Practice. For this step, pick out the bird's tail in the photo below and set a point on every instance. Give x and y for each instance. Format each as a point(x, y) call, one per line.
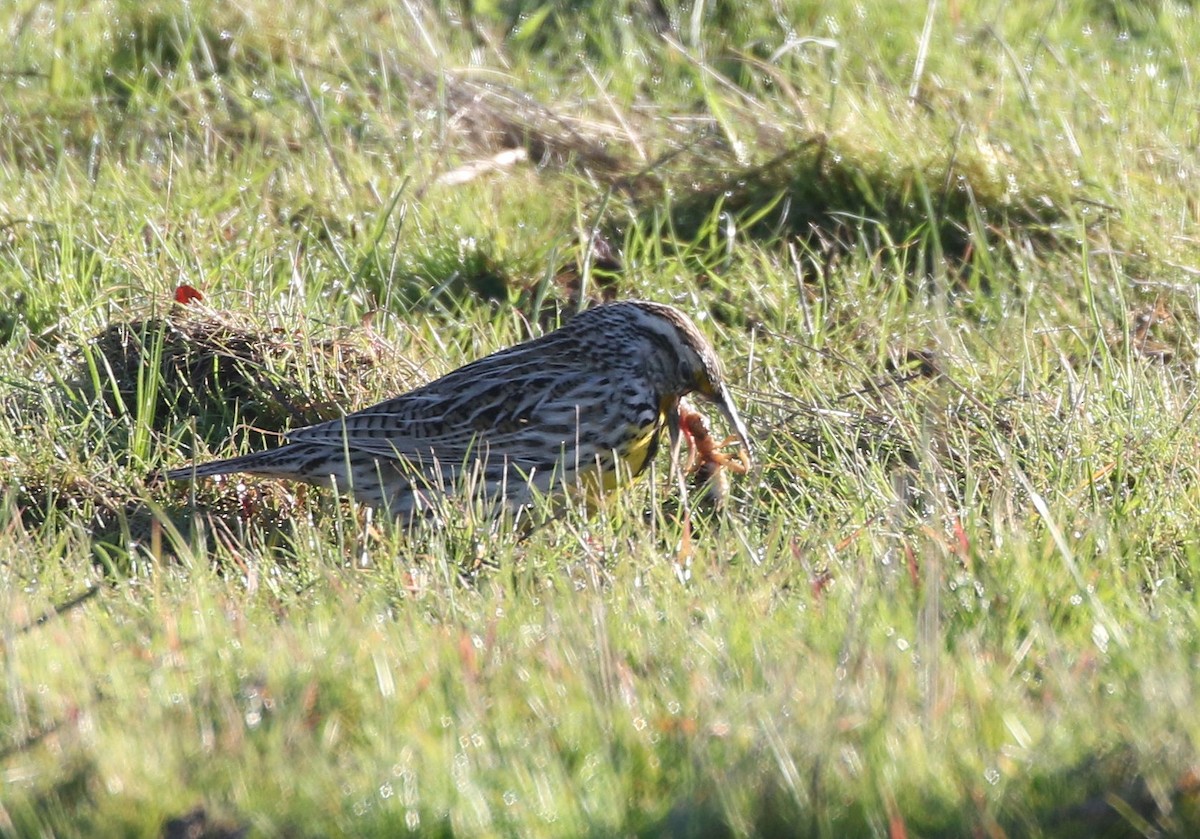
point(280, 462)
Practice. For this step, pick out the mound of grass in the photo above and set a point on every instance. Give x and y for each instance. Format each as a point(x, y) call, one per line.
point(220, 372)
point(935, 216)
point(153, 44)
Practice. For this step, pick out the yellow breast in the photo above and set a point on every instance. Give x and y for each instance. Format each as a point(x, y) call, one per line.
point(633, 459)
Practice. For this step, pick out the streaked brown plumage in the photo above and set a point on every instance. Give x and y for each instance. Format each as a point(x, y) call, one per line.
point(570, 411)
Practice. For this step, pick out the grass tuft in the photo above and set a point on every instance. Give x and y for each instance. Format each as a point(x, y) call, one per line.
point(223, 372)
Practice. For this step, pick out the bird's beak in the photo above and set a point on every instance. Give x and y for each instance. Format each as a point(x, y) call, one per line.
point(724, 403)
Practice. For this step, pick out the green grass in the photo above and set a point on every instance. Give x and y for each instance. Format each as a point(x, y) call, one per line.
point(951, 269)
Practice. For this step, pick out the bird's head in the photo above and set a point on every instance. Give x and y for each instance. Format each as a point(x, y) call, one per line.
point(689, 361)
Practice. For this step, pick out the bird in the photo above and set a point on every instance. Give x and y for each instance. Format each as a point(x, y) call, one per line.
point(569, 414)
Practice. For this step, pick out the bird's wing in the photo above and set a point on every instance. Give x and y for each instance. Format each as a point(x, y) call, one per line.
point(515, 414)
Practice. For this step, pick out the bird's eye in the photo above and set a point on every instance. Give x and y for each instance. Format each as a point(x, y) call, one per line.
point(687, 373)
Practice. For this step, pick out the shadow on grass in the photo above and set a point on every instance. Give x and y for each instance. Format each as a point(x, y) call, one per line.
point(154, 44)
point(839, 201)
point(1085, 802)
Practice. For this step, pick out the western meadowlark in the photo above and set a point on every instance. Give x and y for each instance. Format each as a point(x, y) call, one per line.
point(575, 409)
